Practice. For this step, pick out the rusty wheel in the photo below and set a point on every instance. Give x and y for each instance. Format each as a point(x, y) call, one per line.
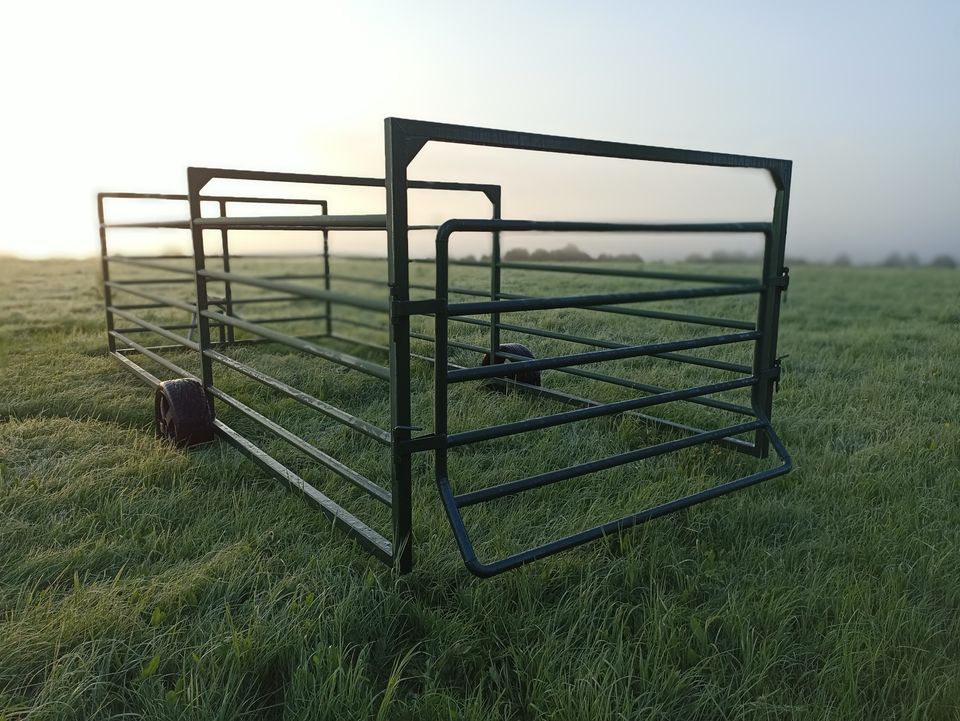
point(182, 414)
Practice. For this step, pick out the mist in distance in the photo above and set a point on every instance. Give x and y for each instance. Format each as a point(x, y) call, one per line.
point(862, 97)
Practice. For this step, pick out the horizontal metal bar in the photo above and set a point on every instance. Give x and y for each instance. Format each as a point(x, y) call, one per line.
point(338, 414)
point(421, 131)
point(679, 317)
point(162, 256)
point(451, 343)
point(274, 177)
point(286, 319)
point(573, 267)
point(164, 302)
point(586, 301)
point(649, 388)
point(458, 225)
point(383, 327)
point(491, 371)
point(369, 538)
point(431, 442)
point(154, 306)
point(617, 526)
point(260, 200)
point(619, 310)
point(178, 224)
point(159, 330)
point(359, 279)
point(148, 306)
point(582, 469)
point(377, 258)
point(324, 459)
point(303, 291)
point(292, 276)
point(580, 402)
point(272, 256)
point(143, 196)
point(177, 347)
point(152, 281)
point(376, 221)
point(622, 273)
point(364, 343)
point(153, 265)
point(425, 306)
point(707, 362)
point(343, 359)
point(214, 198)
point(269, 299)
point(596, 411)
point(155, 357)
point(175, 326)
point(184, 224)
point(692, 360)
point(143, 374)
point(188, 326)
point(376, 346)
point(603, 378)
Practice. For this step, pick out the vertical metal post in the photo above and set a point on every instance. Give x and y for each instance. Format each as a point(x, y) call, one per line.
point(328, 306)
point(227, 290)
point(494, 278)
point(768, 313)
point(105, 272)
point(195, 182)
point(397, 159)
point(441, 354)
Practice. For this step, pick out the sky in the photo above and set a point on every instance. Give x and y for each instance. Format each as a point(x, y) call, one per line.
point(863, 97)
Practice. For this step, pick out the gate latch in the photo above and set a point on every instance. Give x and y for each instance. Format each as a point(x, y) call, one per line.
point(783, 281)
point(778, 371)
point(412, 429)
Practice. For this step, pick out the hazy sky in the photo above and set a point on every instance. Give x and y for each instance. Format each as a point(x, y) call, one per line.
point(863, 97)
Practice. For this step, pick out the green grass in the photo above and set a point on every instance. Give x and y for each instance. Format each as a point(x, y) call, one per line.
point(143, 581)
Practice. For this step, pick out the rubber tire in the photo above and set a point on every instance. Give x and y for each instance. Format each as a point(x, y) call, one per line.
point(529, 377)
point(182, 414)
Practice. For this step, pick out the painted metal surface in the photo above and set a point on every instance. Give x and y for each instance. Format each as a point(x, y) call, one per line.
point(404, 139)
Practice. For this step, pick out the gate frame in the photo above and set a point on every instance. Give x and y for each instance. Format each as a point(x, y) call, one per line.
point(404, 139)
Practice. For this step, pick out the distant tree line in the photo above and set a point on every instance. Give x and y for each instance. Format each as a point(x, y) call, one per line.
point(726, 256)
point(894, 260)
point(571, 252)
point(567, 253)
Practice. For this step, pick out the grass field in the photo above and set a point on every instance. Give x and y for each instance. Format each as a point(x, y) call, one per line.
point(141, 581)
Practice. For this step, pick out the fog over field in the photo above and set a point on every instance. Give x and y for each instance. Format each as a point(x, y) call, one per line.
point(859, 95)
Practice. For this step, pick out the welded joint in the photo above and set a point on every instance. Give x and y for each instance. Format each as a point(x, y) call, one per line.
point(401, 308)
point(420, 444)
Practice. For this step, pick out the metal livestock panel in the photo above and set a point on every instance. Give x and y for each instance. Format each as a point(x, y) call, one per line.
point(510, 366)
